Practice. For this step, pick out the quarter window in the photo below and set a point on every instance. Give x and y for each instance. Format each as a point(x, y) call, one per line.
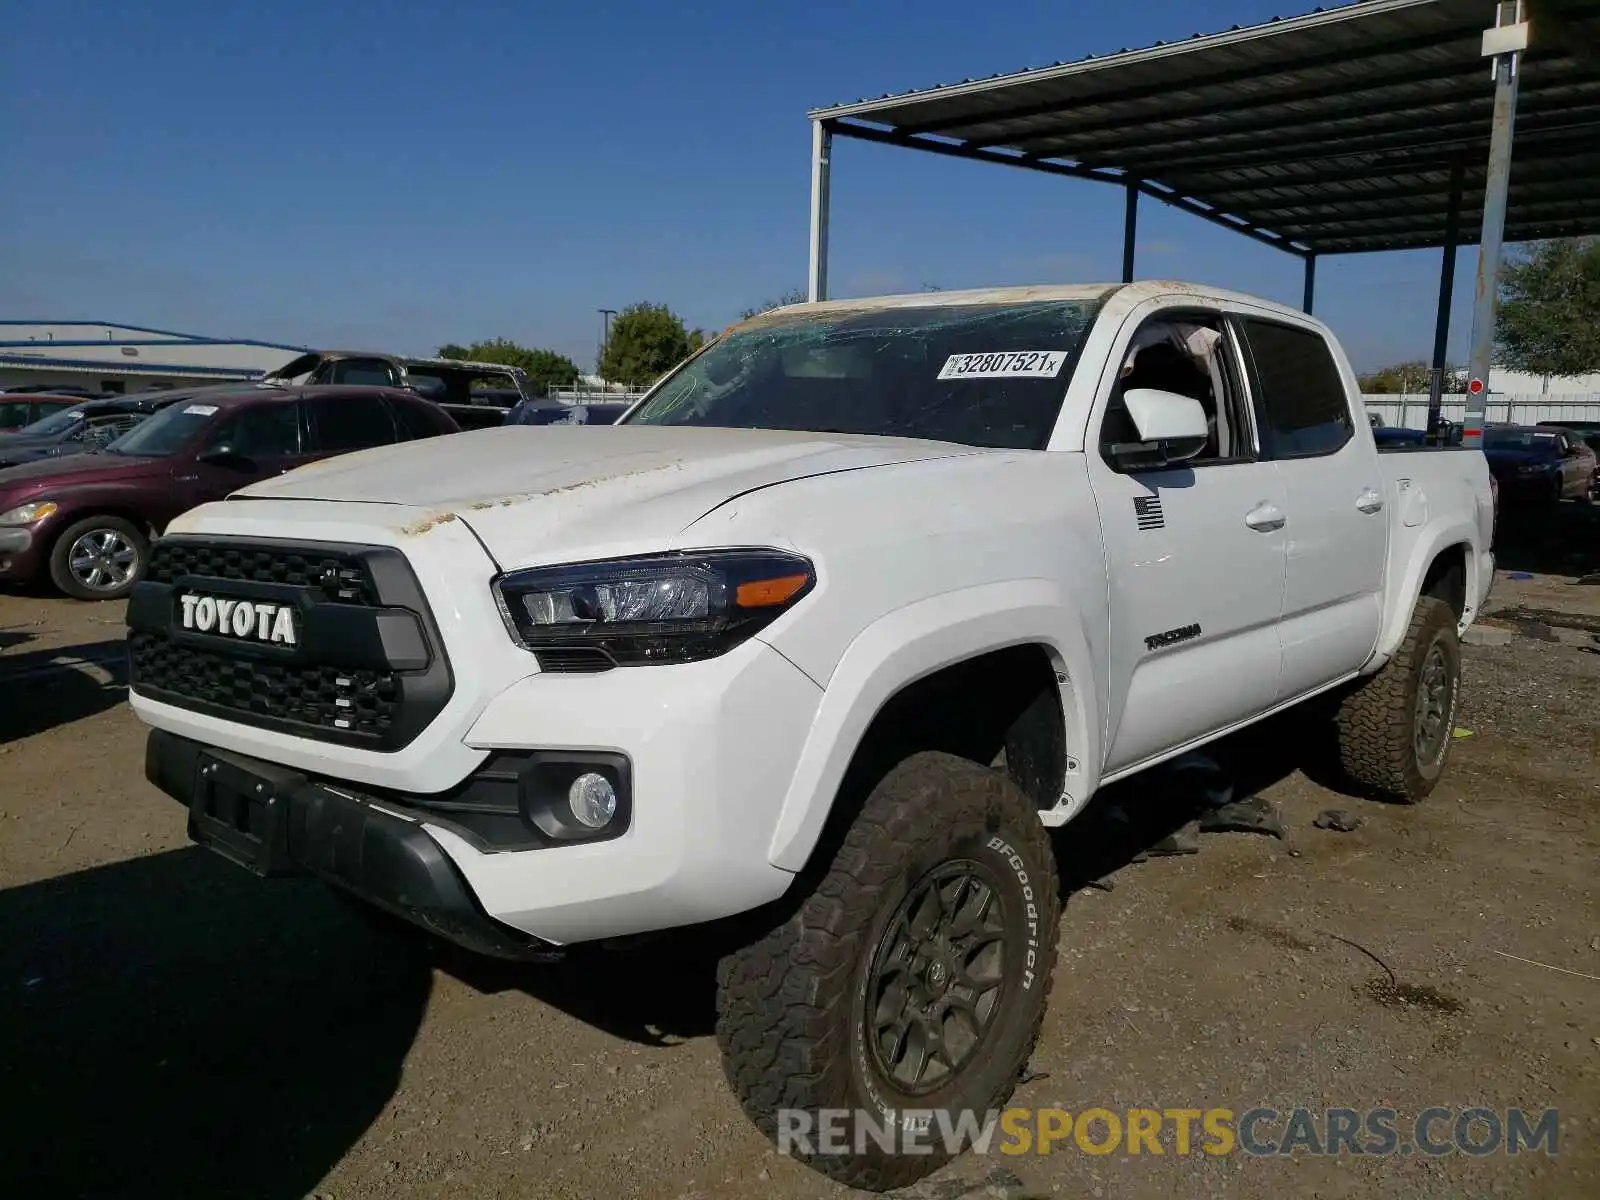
point(352, 422)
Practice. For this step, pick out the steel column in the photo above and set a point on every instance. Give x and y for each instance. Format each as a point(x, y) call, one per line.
point(1447, 287)
point(1130, 229)
point(821, 153)
point(1308, 299)
point(1504, 43)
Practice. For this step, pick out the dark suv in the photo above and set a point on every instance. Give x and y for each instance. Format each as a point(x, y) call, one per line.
point(87, 520)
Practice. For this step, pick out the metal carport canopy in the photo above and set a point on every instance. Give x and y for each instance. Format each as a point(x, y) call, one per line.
point(1330, 133)
point(1362, 128)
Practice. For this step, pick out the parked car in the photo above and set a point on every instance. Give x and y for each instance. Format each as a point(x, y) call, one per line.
point(52, 389)
point(1540, 463)
point(86, 521)
point(17, 412)
point(1589, 431)
point(459, 386)
point(819, 638)
point(85, 427)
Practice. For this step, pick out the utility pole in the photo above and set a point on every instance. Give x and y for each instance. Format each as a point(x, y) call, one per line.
point(605, 336)
point(1504, 44)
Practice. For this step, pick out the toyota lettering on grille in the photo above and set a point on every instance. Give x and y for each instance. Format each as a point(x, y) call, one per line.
point(256, 620)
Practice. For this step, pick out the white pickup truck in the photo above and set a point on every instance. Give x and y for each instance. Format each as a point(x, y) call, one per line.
point(811, 647)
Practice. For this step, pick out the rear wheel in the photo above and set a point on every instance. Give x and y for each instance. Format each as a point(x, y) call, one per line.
point(913, 976)
point(99, 558)
point(1396, 727)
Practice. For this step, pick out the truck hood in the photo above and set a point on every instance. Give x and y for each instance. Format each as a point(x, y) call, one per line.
point(537, 494)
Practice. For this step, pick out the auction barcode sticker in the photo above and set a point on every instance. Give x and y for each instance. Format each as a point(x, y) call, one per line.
point(201, 410)
point(1007, 364)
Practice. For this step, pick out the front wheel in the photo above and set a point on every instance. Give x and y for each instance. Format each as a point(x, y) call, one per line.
point(894, 1010)
point(1395, 728)
point(99, 558)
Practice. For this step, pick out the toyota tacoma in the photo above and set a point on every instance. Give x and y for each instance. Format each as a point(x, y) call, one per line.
point(813, 647)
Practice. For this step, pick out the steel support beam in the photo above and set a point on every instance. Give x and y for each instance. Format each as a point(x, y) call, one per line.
point(1167, 195)
point(1309, 299)
point(1130, 229)
point(821, 156)
point(1447, 287)
point(1504, 44)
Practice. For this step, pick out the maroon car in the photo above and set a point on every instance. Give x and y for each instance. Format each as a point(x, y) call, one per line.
point(18, 409)
point(87, 520)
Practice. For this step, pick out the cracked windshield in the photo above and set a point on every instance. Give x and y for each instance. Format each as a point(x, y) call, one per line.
point(975, 375)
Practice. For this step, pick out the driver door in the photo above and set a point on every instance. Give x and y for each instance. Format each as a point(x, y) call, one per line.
point(265, 439)
point(1195, 550)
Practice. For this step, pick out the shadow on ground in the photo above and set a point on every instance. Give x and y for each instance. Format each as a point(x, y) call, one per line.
point(663, 991)
point(40, 689)
point(170, 1026)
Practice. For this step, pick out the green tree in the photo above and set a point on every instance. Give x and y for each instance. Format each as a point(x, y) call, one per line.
point(1413, 378)
point(546, 370)
point(792, 296)
point(646, 341)
point(1549, 320)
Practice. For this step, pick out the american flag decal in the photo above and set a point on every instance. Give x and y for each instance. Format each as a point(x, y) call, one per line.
point(1147, 509)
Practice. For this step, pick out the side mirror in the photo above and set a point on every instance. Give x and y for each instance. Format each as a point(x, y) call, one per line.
point(221, 456)
point(1171, 428)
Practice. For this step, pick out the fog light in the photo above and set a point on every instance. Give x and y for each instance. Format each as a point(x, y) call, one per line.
point(593, 799)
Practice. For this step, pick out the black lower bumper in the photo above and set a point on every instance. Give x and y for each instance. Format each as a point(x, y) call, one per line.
point(276, 822)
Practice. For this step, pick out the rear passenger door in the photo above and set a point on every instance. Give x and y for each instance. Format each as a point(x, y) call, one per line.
point(1337, 523)
point(355, 421)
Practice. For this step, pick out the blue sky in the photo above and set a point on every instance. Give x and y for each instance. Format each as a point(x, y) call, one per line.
point(401, 174)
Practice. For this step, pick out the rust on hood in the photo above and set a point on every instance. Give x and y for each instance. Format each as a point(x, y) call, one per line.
point(431, 521)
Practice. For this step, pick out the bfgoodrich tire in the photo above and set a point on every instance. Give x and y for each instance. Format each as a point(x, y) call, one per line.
point(912, 976)
point(99, 558)
point(1395, 730)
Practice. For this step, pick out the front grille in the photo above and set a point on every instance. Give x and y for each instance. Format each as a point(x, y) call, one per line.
point(355, 701)
point(347, 679)
point(335, 577)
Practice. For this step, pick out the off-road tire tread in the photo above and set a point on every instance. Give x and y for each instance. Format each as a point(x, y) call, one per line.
point(1374, 719)
point(778, 997)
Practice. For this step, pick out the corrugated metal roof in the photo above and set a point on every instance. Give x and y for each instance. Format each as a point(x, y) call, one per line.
point(1333, 132)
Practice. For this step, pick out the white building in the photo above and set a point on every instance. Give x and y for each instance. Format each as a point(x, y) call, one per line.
point(104, 357)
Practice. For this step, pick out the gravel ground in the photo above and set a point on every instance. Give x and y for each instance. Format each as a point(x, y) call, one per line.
point(171, 1026)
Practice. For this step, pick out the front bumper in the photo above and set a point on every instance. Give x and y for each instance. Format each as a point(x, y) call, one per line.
point(276, 822)
point(20, 548)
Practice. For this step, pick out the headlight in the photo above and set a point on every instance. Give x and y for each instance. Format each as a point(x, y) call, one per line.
point(27, 514)
point(1533, 468)
point(669, 608)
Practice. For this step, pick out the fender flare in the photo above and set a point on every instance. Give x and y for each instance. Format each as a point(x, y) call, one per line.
point(1434, 538)
point(916, 641)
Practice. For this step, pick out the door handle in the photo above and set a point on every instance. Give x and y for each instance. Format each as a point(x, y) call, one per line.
point(1370, 501)
point(1265, 517)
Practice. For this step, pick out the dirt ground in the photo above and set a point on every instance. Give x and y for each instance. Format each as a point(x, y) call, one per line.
point(171, 1026)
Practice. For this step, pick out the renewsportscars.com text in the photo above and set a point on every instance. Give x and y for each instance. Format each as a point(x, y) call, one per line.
point(1433, 1132)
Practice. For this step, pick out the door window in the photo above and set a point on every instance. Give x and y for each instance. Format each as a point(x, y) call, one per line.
point(1188, 354)
point(352, 423)
point(261, 431)
point(1300, 395)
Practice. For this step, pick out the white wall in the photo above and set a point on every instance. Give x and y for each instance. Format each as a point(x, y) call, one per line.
point(1519, 383)
point(1411, 411)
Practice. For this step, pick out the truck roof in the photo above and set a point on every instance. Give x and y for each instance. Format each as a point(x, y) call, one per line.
point(1128, 294)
